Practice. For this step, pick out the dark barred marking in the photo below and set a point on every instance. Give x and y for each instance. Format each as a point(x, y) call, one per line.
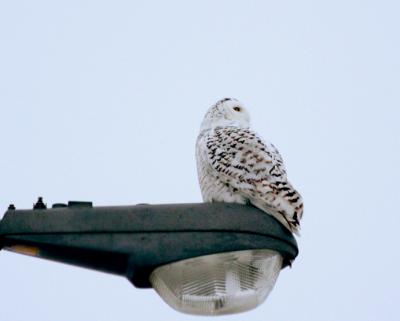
point(290, 194)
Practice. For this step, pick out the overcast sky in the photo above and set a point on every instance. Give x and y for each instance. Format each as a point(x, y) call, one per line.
point(102, 101)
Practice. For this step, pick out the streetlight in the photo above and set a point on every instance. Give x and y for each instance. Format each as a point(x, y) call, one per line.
point(202, 258)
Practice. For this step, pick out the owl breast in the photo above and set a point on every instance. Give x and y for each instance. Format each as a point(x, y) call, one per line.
point(213, 189)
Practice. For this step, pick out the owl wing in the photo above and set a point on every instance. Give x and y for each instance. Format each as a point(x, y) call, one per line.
point(254, 168)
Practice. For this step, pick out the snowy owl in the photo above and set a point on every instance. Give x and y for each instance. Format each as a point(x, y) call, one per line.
point(235, 165)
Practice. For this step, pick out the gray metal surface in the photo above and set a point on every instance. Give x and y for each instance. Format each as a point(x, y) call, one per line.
point(133, 240)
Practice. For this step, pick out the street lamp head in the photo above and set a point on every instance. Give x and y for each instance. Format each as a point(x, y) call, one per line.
point(206, 259)
point(218, 284)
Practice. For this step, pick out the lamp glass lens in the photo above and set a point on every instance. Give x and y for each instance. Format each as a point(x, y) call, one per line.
point(219, 283)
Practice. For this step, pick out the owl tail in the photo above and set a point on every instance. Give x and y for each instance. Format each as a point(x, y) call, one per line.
point(282, 214)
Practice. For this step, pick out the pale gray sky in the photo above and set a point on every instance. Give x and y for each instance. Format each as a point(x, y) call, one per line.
point(102, 100)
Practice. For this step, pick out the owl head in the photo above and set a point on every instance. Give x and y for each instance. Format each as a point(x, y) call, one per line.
point(225, 112)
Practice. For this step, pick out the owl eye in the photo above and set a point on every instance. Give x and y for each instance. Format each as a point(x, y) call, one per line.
point(237, 108)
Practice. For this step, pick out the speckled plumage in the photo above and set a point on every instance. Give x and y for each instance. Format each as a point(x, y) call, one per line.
point(235, 165)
